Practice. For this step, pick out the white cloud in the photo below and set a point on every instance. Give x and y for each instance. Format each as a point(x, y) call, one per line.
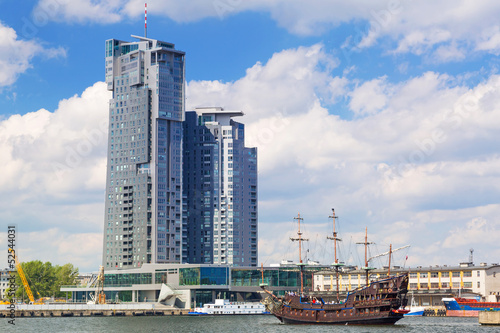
point(416, 27)
point(53, 175)
point(100, 11)
point(369, 97)
point(423, 145)
point(423, 160)
point(17, 54)
point(83, 250)
point(261, 91)
point(490, 40)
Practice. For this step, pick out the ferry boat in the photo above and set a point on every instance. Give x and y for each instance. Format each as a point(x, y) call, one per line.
point(225, 307)
point(378, 302)
point(465, 307)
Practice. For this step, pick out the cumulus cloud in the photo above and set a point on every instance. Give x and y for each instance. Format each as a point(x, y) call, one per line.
point(417, 165)
point(416, 27)
point(56, 159)
point(369, 97)
point(423, 145)
point(261, 91)
point(17, 54)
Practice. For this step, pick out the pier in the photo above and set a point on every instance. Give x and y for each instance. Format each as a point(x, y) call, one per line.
point(489, 317)
point(90, 310)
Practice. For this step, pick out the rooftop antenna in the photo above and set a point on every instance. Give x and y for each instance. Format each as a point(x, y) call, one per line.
point(145, 20)
point(471, 256)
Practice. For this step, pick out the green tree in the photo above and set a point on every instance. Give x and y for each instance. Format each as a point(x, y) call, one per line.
point(45, 280)
point(65, 275)
point(41, 279)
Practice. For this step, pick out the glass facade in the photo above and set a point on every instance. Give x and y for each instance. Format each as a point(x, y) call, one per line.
point(204, 276)
point(279, 277)
point(161, 275)
point(220, 190)
point(143, 181)
point(127, 279)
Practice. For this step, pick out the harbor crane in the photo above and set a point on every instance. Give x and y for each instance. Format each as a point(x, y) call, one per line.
point(23, 278)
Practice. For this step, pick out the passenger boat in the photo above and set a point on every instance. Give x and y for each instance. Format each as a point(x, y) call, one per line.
point(414, 309)
point(225, 307)
point(378, 302)
point(465, 307)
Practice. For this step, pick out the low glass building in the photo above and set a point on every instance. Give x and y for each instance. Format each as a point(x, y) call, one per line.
point(203, 283)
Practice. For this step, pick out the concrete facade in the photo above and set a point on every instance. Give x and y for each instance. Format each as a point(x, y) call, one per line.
point(220, 190)
point(143, 209)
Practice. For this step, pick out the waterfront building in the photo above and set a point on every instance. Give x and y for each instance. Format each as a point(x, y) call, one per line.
point(219, 190)
point(195, 284)
point(200, 283)
point(143, 209)
point(428, 284)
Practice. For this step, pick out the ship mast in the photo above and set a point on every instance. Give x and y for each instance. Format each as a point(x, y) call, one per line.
point(336, 264)
point(390, 255)
point(301, 265)
point(366, 243)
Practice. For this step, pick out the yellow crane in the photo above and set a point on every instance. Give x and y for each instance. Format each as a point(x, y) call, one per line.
point(23, 278)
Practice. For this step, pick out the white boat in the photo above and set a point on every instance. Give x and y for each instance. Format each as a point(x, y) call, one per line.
point(414, 309)
point(225, 307)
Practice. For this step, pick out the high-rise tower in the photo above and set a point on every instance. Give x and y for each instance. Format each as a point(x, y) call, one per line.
point(143, 209)
point(219, 189)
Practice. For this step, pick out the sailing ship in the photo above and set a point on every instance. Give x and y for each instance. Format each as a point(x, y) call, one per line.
point(378, 302)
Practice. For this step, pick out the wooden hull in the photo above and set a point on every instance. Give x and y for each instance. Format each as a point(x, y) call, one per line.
point(377, 304)
point(341, 321)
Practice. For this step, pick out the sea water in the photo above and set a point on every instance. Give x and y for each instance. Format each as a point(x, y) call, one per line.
point(234, 323)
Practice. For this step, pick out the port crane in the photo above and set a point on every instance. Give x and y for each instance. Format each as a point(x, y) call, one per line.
point(23, 278)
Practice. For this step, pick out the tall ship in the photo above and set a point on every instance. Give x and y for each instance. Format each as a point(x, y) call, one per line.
point(465, 307)
point(378, 302)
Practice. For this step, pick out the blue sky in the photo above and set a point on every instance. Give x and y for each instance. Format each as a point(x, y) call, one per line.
point(386, 110)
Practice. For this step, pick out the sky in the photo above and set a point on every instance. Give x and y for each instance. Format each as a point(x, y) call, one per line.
point(386, 111)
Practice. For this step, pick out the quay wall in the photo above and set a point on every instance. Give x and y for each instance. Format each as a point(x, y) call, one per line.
point(89, 310)
point(489, 317)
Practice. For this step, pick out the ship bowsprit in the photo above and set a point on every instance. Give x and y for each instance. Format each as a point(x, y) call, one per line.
point(272, 305)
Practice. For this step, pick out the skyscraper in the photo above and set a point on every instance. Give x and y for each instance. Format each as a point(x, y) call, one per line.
point(219, 190)
point(143, 209)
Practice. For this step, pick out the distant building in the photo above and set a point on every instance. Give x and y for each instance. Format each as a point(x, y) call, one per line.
point(4, 282)
point(219, 190)
point(143, 209)
point(428, 284)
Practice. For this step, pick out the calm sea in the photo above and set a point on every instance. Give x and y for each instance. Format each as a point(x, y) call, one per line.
point(235, 324)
